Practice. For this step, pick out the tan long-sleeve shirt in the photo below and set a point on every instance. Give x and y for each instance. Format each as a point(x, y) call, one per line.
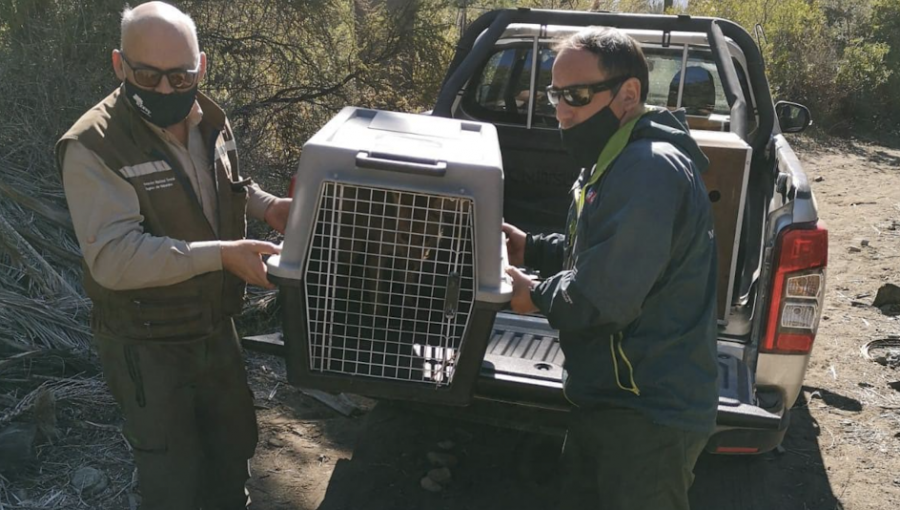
point(107, 219)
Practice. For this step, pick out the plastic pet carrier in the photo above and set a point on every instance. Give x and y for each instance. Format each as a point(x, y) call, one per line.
point(392, 267)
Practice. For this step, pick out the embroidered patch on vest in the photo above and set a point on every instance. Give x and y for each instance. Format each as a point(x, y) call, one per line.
point(159, 184)
point(150, 167)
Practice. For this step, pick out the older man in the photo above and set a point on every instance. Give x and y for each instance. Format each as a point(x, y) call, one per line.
point(631, 285)
point(159, 207)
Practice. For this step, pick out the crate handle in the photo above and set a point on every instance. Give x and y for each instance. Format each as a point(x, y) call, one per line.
point(400, 163)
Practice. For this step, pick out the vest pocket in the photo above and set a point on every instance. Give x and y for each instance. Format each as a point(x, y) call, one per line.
point(143, 319)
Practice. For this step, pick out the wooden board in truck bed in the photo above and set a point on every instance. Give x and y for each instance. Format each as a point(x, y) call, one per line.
point(726, 183)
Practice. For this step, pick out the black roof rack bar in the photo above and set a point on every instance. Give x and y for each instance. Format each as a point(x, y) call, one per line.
point(728, 75)
point(495, 22)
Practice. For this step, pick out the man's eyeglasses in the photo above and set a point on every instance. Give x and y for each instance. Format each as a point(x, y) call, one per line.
point(580, 95)
point(149, 77)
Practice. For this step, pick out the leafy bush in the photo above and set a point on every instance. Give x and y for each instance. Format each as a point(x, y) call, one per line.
point(281, 68)
point(831, 55)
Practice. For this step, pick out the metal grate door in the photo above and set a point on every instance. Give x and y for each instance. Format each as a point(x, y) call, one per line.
point(389, 283)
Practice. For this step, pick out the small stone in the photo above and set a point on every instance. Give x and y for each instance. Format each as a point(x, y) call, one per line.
point(864, 242)
point(430, 485)
point(276, 442)
point(441, 459)
point(88, 481)
point(888, 294)
point(826, 318)
point(820, 179)
point(440, 475)
point(854, 249)
point(446, 445)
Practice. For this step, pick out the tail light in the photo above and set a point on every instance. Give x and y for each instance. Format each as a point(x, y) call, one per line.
point(801, 255)
point(290, 192)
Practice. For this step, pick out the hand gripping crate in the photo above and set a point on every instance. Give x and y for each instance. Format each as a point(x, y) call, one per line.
point(392, 267)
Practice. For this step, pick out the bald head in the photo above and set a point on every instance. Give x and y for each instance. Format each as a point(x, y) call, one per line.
point(159, 36)
point(158, 27)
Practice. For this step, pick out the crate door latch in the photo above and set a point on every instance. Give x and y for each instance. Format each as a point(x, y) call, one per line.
point(451, 299)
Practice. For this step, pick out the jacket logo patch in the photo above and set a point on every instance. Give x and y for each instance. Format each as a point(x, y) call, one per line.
point(591, 195)
point(150, 167)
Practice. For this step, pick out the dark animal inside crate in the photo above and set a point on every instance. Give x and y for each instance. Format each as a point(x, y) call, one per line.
point(390, 283)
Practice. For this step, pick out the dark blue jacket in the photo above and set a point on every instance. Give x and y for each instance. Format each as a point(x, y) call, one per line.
point(633, 294)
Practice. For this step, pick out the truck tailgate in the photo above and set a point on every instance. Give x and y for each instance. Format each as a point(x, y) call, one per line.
point(524, 364)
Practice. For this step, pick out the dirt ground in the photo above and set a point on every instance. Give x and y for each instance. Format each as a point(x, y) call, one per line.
point(841, 451)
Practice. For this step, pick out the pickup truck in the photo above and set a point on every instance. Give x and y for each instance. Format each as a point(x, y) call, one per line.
point(772, 245)
point(772, 248)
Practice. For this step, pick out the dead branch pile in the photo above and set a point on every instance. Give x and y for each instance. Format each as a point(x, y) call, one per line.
point(41, 301)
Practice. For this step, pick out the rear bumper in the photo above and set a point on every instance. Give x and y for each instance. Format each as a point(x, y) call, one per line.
point(747, 441)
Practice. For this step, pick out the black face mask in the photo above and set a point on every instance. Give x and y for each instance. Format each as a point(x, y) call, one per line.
point(585, 141)
point(162, 110)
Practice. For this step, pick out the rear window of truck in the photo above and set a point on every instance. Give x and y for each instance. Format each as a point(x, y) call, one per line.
point(501, 91)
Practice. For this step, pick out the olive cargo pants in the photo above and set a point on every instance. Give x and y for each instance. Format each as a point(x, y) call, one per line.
point(189, 417)
point(617, 459)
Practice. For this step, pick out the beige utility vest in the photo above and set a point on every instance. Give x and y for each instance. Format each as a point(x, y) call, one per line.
point(118, 135)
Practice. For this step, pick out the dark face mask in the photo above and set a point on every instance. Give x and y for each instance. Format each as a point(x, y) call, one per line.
point(585, 141)
point(162, 110)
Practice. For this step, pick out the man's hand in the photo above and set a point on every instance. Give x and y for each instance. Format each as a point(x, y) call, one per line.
point(277, 214)
point(521, 298)
point(515, 245)
point(244, 260)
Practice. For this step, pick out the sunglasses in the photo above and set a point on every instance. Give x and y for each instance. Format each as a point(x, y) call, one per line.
point(149, 77)
point(580, 95)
